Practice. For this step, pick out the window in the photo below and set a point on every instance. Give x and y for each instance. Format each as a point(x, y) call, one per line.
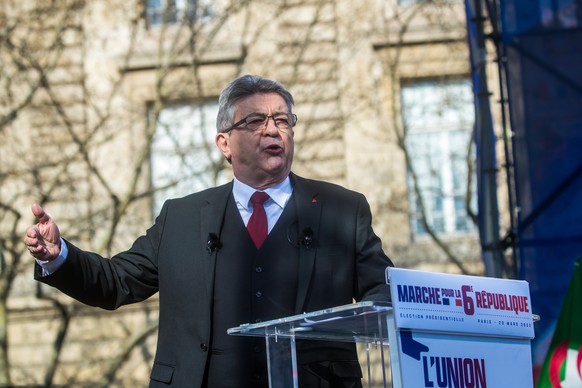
point(438, 118)
point(177, 11)
point(184, 157)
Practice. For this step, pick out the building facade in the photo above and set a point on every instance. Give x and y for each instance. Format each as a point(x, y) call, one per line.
point(111, 109)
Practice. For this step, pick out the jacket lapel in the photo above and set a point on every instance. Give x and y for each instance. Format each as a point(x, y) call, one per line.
point(211, 217)
point(308, 217)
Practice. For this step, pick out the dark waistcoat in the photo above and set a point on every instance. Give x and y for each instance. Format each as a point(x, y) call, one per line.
point(251, 285)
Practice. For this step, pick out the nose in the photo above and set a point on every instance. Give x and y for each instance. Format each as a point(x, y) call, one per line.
point(271, 128)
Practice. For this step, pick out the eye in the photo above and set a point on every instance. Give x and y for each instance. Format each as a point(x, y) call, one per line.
point(255, 121)
point(282, 120)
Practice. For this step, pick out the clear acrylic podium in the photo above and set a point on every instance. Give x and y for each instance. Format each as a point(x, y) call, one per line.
point(364, 322)
point(442, 330)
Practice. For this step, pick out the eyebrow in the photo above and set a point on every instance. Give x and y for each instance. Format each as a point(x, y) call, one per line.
point(265, 114)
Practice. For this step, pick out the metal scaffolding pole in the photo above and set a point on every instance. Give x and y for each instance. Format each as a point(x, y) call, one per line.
point(491, 247)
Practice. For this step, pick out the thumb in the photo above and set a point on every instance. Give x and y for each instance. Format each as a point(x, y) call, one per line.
point(40, 214)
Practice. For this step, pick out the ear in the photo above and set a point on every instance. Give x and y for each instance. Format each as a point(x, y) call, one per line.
point(223, 143)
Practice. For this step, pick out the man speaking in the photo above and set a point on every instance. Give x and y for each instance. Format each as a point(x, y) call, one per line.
point(267, 245)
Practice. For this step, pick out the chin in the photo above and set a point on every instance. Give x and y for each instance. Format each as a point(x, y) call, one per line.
point(275, 166)
point(277, 174)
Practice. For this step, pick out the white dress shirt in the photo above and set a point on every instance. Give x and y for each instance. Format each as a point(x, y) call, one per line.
point(279, 196)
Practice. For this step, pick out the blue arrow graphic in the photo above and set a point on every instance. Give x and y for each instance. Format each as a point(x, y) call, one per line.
point(411, 347)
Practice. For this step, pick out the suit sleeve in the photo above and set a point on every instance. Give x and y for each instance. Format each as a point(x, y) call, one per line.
point(128, 277)
point(371, 261)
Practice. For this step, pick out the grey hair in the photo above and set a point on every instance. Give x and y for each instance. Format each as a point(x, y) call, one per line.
point(242, 87)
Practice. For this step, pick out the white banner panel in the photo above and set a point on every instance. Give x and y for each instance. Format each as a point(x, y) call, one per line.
point(436, 360)
point(460, 303)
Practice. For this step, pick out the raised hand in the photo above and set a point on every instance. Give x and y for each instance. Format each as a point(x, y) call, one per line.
point(43, 239)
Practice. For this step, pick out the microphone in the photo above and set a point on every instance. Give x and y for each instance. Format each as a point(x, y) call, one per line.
point(213, 244)
point(306, 237)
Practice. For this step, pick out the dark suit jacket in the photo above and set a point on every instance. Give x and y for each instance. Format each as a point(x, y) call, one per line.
point(346, 262)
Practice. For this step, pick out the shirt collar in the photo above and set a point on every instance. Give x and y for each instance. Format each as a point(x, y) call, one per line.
point(279, 193)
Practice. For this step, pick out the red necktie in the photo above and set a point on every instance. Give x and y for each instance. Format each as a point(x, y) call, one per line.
point(257, 225)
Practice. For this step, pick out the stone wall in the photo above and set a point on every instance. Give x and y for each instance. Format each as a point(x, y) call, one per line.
point(343, 60)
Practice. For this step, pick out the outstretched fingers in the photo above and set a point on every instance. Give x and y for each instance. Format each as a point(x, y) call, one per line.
point(34, 242)
point(43, 239)
point(40, 214)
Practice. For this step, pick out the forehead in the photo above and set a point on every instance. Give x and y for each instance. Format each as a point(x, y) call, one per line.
point(261, 103)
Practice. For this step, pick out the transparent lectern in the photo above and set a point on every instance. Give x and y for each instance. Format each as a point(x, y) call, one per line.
point(443, 330)
point(364, 322)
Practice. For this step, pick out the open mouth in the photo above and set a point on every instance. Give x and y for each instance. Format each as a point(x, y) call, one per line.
point(274, 149)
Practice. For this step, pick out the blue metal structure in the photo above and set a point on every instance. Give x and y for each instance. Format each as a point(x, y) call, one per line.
point(539, 46)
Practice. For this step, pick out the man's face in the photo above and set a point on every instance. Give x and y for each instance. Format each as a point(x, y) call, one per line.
point(261, 158)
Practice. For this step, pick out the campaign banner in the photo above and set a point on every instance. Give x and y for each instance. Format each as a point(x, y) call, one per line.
point(460, 303)
point(456, 361)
